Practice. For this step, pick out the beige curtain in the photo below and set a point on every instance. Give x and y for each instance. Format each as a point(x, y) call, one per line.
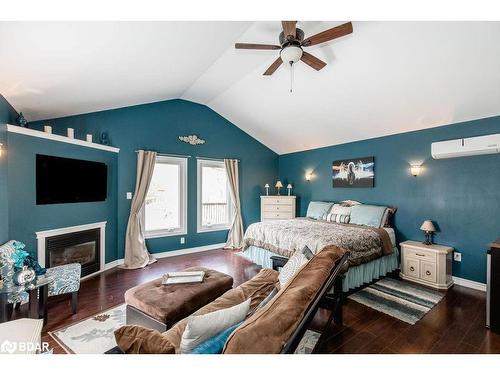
point(235, 235)
point(136, 253)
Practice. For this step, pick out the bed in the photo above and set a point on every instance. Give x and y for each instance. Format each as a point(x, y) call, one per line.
point(373, 250)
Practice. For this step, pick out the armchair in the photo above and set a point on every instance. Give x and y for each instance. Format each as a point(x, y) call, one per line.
point(67, 277)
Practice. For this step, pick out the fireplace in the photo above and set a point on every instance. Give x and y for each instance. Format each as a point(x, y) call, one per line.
point(77, 247)
point(82, 244)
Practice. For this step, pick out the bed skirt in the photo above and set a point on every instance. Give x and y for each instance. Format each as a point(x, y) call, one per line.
point(355, 276)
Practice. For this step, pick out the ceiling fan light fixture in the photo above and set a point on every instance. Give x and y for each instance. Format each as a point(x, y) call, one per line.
point(291, 54)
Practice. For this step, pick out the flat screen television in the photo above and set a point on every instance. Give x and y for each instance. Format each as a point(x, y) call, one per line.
point(63, 180)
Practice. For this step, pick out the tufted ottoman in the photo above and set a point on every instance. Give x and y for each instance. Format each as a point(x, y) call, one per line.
point(158, 306)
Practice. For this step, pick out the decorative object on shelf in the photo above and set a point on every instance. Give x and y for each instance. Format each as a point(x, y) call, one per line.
point(359, 172)
point(289, 187)
point(104, 139)
point(89, 138)
point(1, 149)
point(23, 276)
point(192, 139)
point(47, 129)
point(267, 188)
point(415, 170)
point(71, 133)
point(21, 121)
point(429, 228)
point(278, 185)
point(309, 176)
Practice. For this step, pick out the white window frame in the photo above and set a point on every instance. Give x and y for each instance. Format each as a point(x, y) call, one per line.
point(201, 228)
point(183, 171)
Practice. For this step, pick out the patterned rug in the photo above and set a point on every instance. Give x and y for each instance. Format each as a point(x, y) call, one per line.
point(400, 299)
point(93, 335)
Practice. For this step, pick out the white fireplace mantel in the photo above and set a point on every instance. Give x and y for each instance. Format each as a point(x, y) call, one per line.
point(42, 235)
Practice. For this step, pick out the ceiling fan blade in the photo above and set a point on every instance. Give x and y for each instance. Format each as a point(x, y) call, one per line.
point(256, 46)
point(289, 28)
point(325, 36)
point(275, 65)
point(312, 61)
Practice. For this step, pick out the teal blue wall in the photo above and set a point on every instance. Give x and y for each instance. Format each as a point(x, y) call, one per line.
point(7, 116)
point(156, 127)
point(462, 195)
point(26, 218)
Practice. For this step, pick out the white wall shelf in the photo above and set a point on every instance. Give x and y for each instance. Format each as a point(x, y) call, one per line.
point(59, 138)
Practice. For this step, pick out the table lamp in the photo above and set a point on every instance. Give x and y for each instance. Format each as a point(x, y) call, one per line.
point(278, 185)
point(428, 228)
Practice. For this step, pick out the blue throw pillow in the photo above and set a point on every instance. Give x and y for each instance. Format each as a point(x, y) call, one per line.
point(215, 344)
point(316, 210)
point(365, 214)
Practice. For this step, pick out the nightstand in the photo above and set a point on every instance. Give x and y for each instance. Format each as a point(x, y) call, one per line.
point(427, 264)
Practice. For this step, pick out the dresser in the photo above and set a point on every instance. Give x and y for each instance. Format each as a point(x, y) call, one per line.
point(277, 207)
point(427, 264)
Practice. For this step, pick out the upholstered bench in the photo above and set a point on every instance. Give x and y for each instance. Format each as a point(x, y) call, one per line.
point(157, 306)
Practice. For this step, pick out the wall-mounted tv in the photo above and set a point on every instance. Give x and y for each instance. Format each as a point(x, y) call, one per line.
point(63, 180)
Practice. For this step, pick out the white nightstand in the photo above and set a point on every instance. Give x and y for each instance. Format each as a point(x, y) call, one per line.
point(427, 264)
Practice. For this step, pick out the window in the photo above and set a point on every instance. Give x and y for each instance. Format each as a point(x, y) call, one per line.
point(165, 207)
point(215, 208)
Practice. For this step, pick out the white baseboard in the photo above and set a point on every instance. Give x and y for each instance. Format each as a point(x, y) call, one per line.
point(172, 253)
point(469, 284)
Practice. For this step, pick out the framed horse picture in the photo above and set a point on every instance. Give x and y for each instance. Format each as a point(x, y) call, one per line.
point(359, 172)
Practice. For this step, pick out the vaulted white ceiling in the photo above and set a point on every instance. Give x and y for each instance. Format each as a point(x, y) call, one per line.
point(385, 78)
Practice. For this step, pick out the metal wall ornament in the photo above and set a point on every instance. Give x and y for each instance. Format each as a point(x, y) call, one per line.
point(192, 139)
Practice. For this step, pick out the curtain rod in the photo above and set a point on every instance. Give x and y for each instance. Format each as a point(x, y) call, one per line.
point(214, 159)
point(173, 155)
point(189, 156)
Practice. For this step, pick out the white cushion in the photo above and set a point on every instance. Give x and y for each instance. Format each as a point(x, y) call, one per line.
point(294, 264)
point(202, 327)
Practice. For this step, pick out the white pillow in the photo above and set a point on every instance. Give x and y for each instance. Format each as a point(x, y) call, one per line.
point(202, 327)
point(296, 261)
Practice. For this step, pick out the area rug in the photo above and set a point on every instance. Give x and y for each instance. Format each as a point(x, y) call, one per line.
point(93, 335)
point(400, 299)
point(308, 342)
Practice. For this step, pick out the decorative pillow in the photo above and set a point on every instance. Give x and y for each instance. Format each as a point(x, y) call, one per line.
point(372, 216)
point(296, 261)
point(202, 327)
point(349, 203)
point(389, 216)
point(214, 345)
point(338, 218)
point(316, 210)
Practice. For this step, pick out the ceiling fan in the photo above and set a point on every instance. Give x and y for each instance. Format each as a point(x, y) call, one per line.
point(292, 41)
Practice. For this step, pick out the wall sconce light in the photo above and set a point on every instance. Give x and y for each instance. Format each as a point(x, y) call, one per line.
point(1, 149)
point(308, 176)
point(415, 170)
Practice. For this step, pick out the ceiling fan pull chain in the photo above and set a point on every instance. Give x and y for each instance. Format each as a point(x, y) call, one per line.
point(291, 76)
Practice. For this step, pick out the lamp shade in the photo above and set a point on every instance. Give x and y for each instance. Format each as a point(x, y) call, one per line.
point(279, 184)
point(427, 226)
point(266, 185)
point(289, 186)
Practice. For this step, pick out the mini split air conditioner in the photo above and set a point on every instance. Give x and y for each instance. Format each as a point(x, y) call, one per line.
point(486, 144)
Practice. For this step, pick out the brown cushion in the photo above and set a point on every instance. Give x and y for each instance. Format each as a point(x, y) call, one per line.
point(130, 338)
point(140, 340)
point(171, 303)
point(268, 330)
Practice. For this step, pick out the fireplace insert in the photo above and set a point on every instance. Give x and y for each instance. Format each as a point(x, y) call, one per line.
point(78, 247)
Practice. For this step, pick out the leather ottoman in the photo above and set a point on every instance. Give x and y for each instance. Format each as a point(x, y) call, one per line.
point(158, 306)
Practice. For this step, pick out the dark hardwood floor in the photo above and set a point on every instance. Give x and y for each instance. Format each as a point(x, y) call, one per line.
point(455, 325)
